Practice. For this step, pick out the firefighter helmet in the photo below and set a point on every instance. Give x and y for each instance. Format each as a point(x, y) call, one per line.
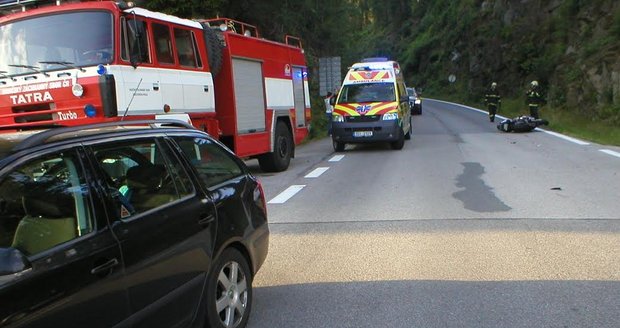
point(534, 83)
point(494, 85)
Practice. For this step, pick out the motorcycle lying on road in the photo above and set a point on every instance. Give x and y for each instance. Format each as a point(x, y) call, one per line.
point(521, 124)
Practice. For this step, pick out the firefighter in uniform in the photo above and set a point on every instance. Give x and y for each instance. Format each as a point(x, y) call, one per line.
point(493, 100)
point(534, 99)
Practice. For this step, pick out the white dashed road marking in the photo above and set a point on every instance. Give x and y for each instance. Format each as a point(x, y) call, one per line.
point(336, 158)
point(286, 194)
point(317, 172)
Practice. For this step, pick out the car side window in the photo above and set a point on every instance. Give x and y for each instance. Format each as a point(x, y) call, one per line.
point(213, 163)
point(43, 203)
point(141, 175)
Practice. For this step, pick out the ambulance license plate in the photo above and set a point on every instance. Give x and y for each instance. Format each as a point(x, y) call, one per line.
point(362, 133)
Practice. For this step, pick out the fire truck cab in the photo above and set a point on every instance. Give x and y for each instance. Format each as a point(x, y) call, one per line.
point(83, 62)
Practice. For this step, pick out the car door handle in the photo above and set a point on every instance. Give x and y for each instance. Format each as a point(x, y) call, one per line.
point(156, 86)
point(105, 267)
point(207, 219)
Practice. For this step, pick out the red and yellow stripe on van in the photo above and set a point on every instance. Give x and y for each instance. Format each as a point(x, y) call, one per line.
point(367, 76)
point(360, 109)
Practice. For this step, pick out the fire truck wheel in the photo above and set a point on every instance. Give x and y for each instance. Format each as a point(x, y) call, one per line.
point(339, 146)
point(214, 50)
point(398, 144)
point(280, 158)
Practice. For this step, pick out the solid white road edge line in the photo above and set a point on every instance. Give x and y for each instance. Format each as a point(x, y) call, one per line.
point(555, 134)
point(286, 194)
point(610, 152)
point(336, 158)
point(316, 172)
point(571, 139)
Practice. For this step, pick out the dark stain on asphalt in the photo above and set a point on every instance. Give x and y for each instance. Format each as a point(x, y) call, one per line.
point(476, 195)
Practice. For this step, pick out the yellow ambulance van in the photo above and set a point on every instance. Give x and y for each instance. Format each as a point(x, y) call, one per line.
point(372, 106)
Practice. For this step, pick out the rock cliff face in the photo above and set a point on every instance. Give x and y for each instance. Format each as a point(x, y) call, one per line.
point(572, 47)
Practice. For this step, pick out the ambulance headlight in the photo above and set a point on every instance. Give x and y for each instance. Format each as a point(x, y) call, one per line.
point(90, 110)
point(390, 116)
point(338, 118)
point(418, 101)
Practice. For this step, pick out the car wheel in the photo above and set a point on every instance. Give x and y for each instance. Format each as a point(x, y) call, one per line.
point(338, 146)
point(280, 158)
point(229, 291)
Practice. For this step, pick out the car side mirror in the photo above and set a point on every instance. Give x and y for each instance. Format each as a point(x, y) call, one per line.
point(12, 260)
point(332, 100)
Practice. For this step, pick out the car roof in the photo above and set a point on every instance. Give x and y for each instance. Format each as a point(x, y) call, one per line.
point(11, 142)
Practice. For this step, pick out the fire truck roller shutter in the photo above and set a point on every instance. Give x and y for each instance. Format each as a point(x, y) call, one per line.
point(214, 49)
point(249, 95)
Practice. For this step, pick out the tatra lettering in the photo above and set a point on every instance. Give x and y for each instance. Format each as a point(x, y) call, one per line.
point(27, 98)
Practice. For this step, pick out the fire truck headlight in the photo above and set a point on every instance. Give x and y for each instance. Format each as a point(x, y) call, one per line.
point(90, 110)
point(390, 116)
point(101, 70)
point(77, 90)
point(338, 118)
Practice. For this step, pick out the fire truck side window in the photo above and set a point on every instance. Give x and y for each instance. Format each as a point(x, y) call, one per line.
point(135, 41)
point(163, 43)
point(187, 51)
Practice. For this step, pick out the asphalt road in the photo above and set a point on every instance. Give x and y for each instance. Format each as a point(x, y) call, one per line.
point(466, 226)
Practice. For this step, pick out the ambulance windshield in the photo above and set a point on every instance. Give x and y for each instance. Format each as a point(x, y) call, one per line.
point(367, 92)
point(82, 38)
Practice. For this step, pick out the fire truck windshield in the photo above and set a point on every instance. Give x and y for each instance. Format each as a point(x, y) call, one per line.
point(367, 92)
point(57, 41)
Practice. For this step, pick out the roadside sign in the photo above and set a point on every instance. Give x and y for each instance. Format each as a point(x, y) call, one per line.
point(330, 76)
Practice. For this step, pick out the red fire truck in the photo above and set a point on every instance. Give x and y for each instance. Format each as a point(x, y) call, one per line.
point(74, 63)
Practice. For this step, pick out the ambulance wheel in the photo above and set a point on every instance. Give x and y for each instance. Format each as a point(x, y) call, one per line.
point(398, 144)
point(338, 146)
point(214, 50)
point(408, 135)
point(279, 159)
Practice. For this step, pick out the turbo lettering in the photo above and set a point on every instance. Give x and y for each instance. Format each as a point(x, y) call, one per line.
point(28, 98)
point(62, 116)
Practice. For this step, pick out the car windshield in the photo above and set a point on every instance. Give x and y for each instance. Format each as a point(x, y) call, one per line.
point(367, 92)
point(60, 40)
